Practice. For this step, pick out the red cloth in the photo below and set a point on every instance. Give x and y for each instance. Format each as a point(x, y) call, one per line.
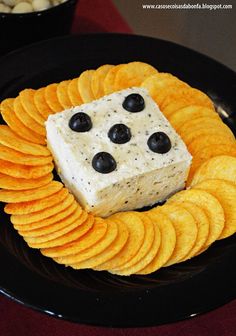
point(102, 16)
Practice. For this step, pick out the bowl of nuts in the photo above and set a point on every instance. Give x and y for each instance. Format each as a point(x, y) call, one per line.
point(27, 21)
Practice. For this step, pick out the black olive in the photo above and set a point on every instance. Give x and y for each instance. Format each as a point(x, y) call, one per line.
point(159, 142)
point(80, 122)
point(103, 163)
point(119, 134)
point(134, 103)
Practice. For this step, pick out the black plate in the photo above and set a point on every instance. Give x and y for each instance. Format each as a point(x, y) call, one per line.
point(98, 298)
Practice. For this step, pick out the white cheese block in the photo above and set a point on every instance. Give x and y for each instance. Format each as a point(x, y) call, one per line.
point(141, 178)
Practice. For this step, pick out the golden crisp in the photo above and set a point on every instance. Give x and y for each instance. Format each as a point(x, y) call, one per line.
point(27, 101)
point(62, 94)
point(17, 196)
point(10, 139)
point(211, 207)
point(168, 242)
point(132, 74)
point(109, 80)
point(14, 184)
point(136, 230)
point(225, 192)
point(219, 167)
point(41, 104)
point(84, 86)
point(73, 92)
point(98, 80)
point(52, 99)
point(24, 208)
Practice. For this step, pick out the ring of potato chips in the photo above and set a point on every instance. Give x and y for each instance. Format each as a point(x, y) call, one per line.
point(46, 214)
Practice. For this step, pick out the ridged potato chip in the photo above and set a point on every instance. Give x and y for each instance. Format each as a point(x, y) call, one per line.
point(24, 171)
point(211, 207)
point(225, 192)
point(213, 140)
point(148, 256)
point(180, 117)
point(98, 80)
point(80, 244)
point(109, 80)
point(38, 228)
point(41, 104)
point(14, 184)
point(11, 155)
point(52, 99)
point(62, 94)
point(9, 116)
point(187, 96)
point(26, 119)
point(73, 92)
point(103, 244)
point(25, 208)
point(84, 86)
point(109, 252)
point(221, 167)
point(203, 225)
point(17, 196)
point(43, 214)
point(168, 242)
point(208, 152)
point(132, 74)
point(127, 268)
point(74, 231)
point(64, 228)
point(185, 229)
point(11, 140)
point(27, 101)
point(136, 230)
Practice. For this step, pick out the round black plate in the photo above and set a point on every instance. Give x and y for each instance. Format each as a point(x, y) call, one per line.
point(99, 298)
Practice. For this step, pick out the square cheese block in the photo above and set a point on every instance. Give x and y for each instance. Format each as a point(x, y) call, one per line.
point(144, 167)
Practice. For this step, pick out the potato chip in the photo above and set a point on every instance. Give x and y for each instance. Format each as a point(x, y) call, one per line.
point(73, 92)
point(208, 152)
point(26, 119)
point(11, 155)
point(208, 142)
point(108, 84)
point(62, 94)
point(52, 99)
point(84, 86)
point(98, 79)
point(10, 139)
point(41, 104)
point(149, 256)
point(74, 231)
point(135, 241)
point(23, 171)
point(221, 167)
point(14, 196)
point(40, 227)
point(13, 183)
point(160, 83)
point(55, 230)
point(27, 101)
point(189, 94)
point(185, 229)
point(80, 244)
point(203, 226)
point(109, 252)
point(103, 244)
point(225, 192)
point(180, 117)
point(203, 122)
point(168, 241)
point(42, 214)
point(211, 207)
point(132, 74)
point(127, 268)
point(25, 208)
point(17, 126)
